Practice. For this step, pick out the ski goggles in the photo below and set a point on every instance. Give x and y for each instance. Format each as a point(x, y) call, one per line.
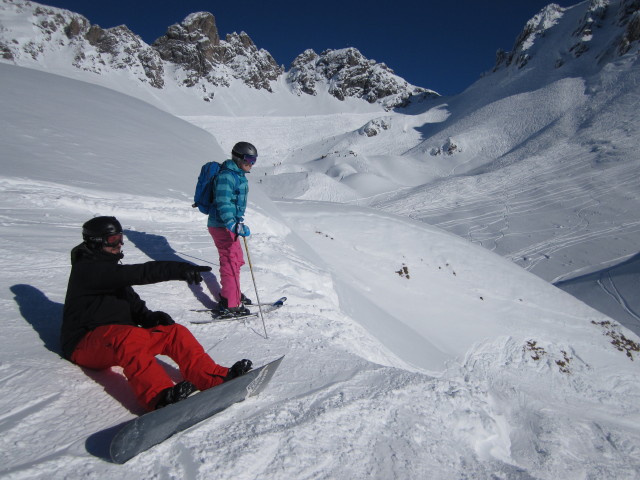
point(250, 159)
point(113, 240)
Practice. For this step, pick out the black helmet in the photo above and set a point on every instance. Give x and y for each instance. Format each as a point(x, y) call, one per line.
point(96, 231)
point(244, 149)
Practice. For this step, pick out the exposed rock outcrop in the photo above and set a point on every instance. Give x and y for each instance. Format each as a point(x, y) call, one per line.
point(347, 73)
point(195, 46)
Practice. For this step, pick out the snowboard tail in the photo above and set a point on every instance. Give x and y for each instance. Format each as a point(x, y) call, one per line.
point(154, 427)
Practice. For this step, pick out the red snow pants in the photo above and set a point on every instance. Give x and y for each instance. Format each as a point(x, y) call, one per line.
point(231, 259)
point(135, 349)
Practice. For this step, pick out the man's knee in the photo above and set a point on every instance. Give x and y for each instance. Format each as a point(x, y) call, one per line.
point(173, 329)
point(129, 341)
point(180, 340)
point(183, 334)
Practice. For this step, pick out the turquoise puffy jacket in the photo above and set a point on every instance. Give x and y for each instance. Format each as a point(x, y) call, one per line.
point(230, 191)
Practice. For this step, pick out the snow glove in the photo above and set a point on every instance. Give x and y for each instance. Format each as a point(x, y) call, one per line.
point(158, 318)
point(191, 273)
point(239, 228)
point(239, 368)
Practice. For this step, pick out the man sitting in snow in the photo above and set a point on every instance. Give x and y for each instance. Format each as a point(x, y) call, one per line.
point(105, 322)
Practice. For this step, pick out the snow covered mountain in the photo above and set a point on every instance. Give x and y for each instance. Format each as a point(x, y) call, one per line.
point(538, 160)
point(604, 28)
point(191, 56)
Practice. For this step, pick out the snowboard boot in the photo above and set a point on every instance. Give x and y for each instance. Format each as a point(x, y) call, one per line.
point(174, 394)
point(239, 368)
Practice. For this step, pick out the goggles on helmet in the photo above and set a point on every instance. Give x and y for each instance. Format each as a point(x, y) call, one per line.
point(112, 240)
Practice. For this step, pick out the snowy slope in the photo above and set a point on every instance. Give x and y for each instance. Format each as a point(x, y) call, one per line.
point(546, 167)
point(99, 144)
point(409, 351)
point(546, 177)
point(537, 161)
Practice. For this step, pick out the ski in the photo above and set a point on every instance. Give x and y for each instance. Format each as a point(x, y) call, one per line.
point(217, 317)
point(278, 303)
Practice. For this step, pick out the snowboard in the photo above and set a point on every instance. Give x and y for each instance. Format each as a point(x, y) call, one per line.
point(217, 317)
point(154, 427)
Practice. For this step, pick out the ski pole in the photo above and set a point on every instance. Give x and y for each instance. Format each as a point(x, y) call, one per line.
point(246, 247)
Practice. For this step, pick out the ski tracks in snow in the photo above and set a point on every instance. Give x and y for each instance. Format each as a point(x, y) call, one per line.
point(607, 283)
point(541, 214)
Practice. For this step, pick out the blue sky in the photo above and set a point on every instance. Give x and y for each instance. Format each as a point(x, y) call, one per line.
point(442, 45)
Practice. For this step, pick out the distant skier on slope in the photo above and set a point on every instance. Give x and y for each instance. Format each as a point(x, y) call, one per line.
point(105, 323)
point(226, 224)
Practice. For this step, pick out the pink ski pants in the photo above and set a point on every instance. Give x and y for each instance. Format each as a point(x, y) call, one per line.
point(231, 259)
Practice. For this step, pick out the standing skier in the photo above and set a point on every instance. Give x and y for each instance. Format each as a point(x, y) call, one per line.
point(226, 224)
point(105, 323)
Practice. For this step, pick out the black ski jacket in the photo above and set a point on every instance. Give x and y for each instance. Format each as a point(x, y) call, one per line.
point(99, 292)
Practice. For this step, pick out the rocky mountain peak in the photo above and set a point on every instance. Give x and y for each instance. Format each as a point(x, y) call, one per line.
point(198, 27)
point(534, 29)
point(195, 46)
point(190, 43)
point(347, 73)
point(58, 33)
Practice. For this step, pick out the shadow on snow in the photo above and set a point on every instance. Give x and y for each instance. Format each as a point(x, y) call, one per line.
point(612, 290)
point(157, 247)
